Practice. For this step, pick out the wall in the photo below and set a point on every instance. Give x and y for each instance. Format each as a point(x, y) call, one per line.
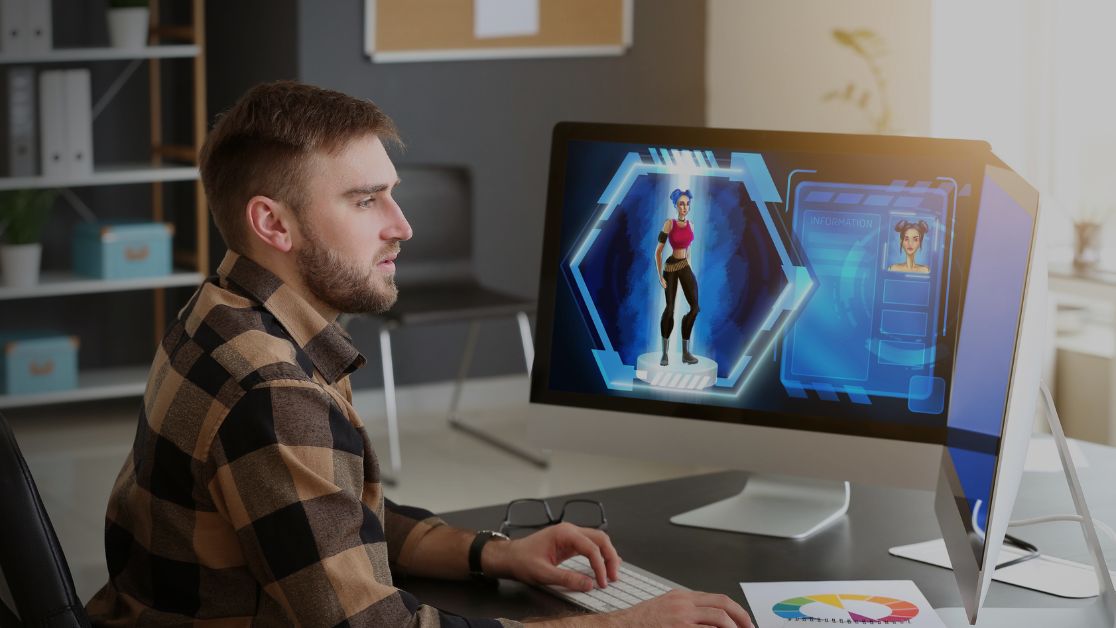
point(770, 63)
point(494, 118)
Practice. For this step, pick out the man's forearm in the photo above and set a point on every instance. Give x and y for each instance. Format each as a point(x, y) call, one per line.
point(441, 553)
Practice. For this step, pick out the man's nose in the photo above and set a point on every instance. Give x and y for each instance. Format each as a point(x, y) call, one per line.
point(400, 228)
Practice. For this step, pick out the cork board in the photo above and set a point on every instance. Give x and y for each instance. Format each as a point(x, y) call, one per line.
point(433, 30)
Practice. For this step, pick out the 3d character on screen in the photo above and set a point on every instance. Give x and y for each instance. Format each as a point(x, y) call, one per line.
point(911, 236)
point(680, 232)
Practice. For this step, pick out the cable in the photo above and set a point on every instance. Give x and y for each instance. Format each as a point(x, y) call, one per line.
point(1032, 552)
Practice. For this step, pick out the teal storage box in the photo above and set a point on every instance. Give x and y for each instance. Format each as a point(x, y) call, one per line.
point(37, 363)
point(122, 250)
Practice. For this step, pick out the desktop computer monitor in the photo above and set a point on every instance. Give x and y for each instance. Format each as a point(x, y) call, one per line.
point(847, 307)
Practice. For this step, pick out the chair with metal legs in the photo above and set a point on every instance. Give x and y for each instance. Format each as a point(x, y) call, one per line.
point(457, 421)
point(449, 303)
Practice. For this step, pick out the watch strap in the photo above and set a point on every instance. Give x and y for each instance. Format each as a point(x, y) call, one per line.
point(476, 547)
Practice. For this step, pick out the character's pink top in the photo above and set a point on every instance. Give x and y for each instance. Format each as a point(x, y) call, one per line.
point(680, 237)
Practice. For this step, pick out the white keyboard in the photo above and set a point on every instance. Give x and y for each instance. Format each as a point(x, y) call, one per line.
point(634, 586)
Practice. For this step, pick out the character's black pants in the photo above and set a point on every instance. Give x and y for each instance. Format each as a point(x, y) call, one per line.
point(683, 276)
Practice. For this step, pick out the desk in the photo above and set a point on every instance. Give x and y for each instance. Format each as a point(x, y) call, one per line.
point(852, 549)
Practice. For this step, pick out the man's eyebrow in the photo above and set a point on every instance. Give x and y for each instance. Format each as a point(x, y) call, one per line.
point(366, 190)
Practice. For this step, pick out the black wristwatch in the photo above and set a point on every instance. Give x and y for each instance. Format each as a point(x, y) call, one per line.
point(479, 541)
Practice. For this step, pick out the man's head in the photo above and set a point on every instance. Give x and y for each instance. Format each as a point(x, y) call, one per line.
point(298, 179)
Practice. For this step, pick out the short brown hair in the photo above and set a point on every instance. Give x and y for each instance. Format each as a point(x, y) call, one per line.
point(262, 144)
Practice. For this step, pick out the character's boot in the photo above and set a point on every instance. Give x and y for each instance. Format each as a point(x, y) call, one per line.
point(687, 357)
point(665, 361)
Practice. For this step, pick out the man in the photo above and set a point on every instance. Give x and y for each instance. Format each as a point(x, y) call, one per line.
point(252, 495)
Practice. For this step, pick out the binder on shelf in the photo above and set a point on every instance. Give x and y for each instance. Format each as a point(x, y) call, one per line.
point(79, 121)
point(52, 123)
point(40, 33)
point(23, 154)
point(13, 19)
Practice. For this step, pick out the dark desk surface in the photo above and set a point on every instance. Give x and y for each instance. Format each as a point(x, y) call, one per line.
point(852, 549)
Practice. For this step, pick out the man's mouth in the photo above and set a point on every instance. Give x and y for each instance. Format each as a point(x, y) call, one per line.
point(388, 263)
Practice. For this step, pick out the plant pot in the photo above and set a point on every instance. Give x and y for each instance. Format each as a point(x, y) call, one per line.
point(19, 264)
point(128, 27)
point(1086, 246)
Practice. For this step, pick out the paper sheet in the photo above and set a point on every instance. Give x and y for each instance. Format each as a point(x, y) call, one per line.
point(505, 18)
point(1042, 456)
point(859, 602)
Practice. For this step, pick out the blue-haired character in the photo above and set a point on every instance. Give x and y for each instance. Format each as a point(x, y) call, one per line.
point(677, 271)
point(911, 235)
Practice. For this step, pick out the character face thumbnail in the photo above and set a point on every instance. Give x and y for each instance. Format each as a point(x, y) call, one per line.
point(911, 241)
point(912, 235)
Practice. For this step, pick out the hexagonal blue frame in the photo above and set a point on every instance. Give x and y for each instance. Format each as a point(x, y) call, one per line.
point(747, 168)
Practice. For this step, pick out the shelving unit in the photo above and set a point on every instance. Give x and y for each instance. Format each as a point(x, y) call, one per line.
point(117, 174)
point(67, 55)
point(57, 284)
point(93, 384)
point(191, 262)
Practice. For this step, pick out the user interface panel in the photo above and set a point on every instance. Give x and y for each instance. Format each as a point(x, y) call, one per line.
point(803, 281)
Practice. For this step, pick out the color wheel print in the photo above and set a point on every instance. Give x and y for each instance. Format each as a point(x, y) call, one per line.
point(850, 608)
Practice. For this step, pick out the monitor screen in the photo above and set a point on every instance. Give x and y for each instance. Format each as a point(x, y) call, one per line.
point(988, 348)
point(815, 281)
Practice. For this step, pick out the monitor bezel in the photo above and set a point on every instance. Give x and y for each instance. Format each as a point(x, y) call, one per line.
point(713, 138)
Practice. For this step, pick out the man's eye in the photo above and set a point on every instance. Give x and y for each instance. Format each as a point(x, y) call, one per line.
point(365, 202)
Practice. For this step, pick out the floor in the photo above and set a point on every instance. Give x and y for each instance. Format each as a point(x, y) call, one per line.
point(75, 451)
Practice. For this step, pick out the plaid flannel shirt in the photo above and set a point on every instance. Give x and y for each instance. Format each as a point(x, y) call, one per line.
point(252, 495)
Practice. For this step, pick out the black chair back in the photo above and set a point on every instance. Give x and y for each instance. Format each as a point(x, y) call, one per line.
point(31, 558)
point(437, 201)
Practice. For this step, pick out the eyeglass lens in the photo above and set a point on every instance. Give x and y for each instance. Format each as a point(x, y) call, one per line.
point(584, 513)
point(529, 513)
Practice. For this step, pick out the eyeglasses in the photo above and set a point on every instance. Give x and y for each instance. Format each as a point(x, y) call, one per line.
point(532, 514)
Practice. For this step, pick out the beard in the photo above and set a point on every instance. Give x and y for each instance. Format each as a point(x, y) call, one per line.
point(343, 285)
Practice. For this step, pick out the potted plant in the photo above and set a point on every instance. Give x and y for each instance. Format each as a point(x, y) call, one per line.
point(23, 213)
point(873, 100)
point(1087, 225)
point(128, 23)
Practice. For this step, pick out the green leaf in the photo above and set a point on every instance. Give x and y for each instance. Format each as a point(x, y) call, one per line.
point(845, 38)
point(24, 213)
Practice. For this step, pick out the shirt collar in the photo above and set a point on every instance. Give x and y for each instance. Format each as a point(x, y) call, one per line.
point(328, 346)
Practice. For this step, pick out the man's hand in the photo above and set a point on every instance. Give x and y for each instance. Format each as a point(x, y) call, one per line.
point(676, 609)
point(683, 608)
point(535, 559)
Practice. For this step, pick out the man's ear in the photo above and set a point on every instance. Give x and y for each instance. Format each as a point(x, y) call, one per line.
point(271, 222)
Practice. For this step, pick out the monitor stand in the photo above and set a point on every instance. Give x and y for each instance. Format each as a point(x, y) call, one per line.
point(1102, 612)
point(779, 506)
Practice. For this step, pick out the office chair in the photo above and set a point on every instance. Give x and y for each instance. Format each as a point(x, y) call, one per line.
point(34, 566)
point(437, 285)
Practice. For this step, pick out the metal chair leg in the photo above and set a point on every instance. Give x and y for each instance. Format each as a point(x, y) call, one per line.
point(463, 368)
point(525, 336)
point(396, 457)
point(457, 422)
